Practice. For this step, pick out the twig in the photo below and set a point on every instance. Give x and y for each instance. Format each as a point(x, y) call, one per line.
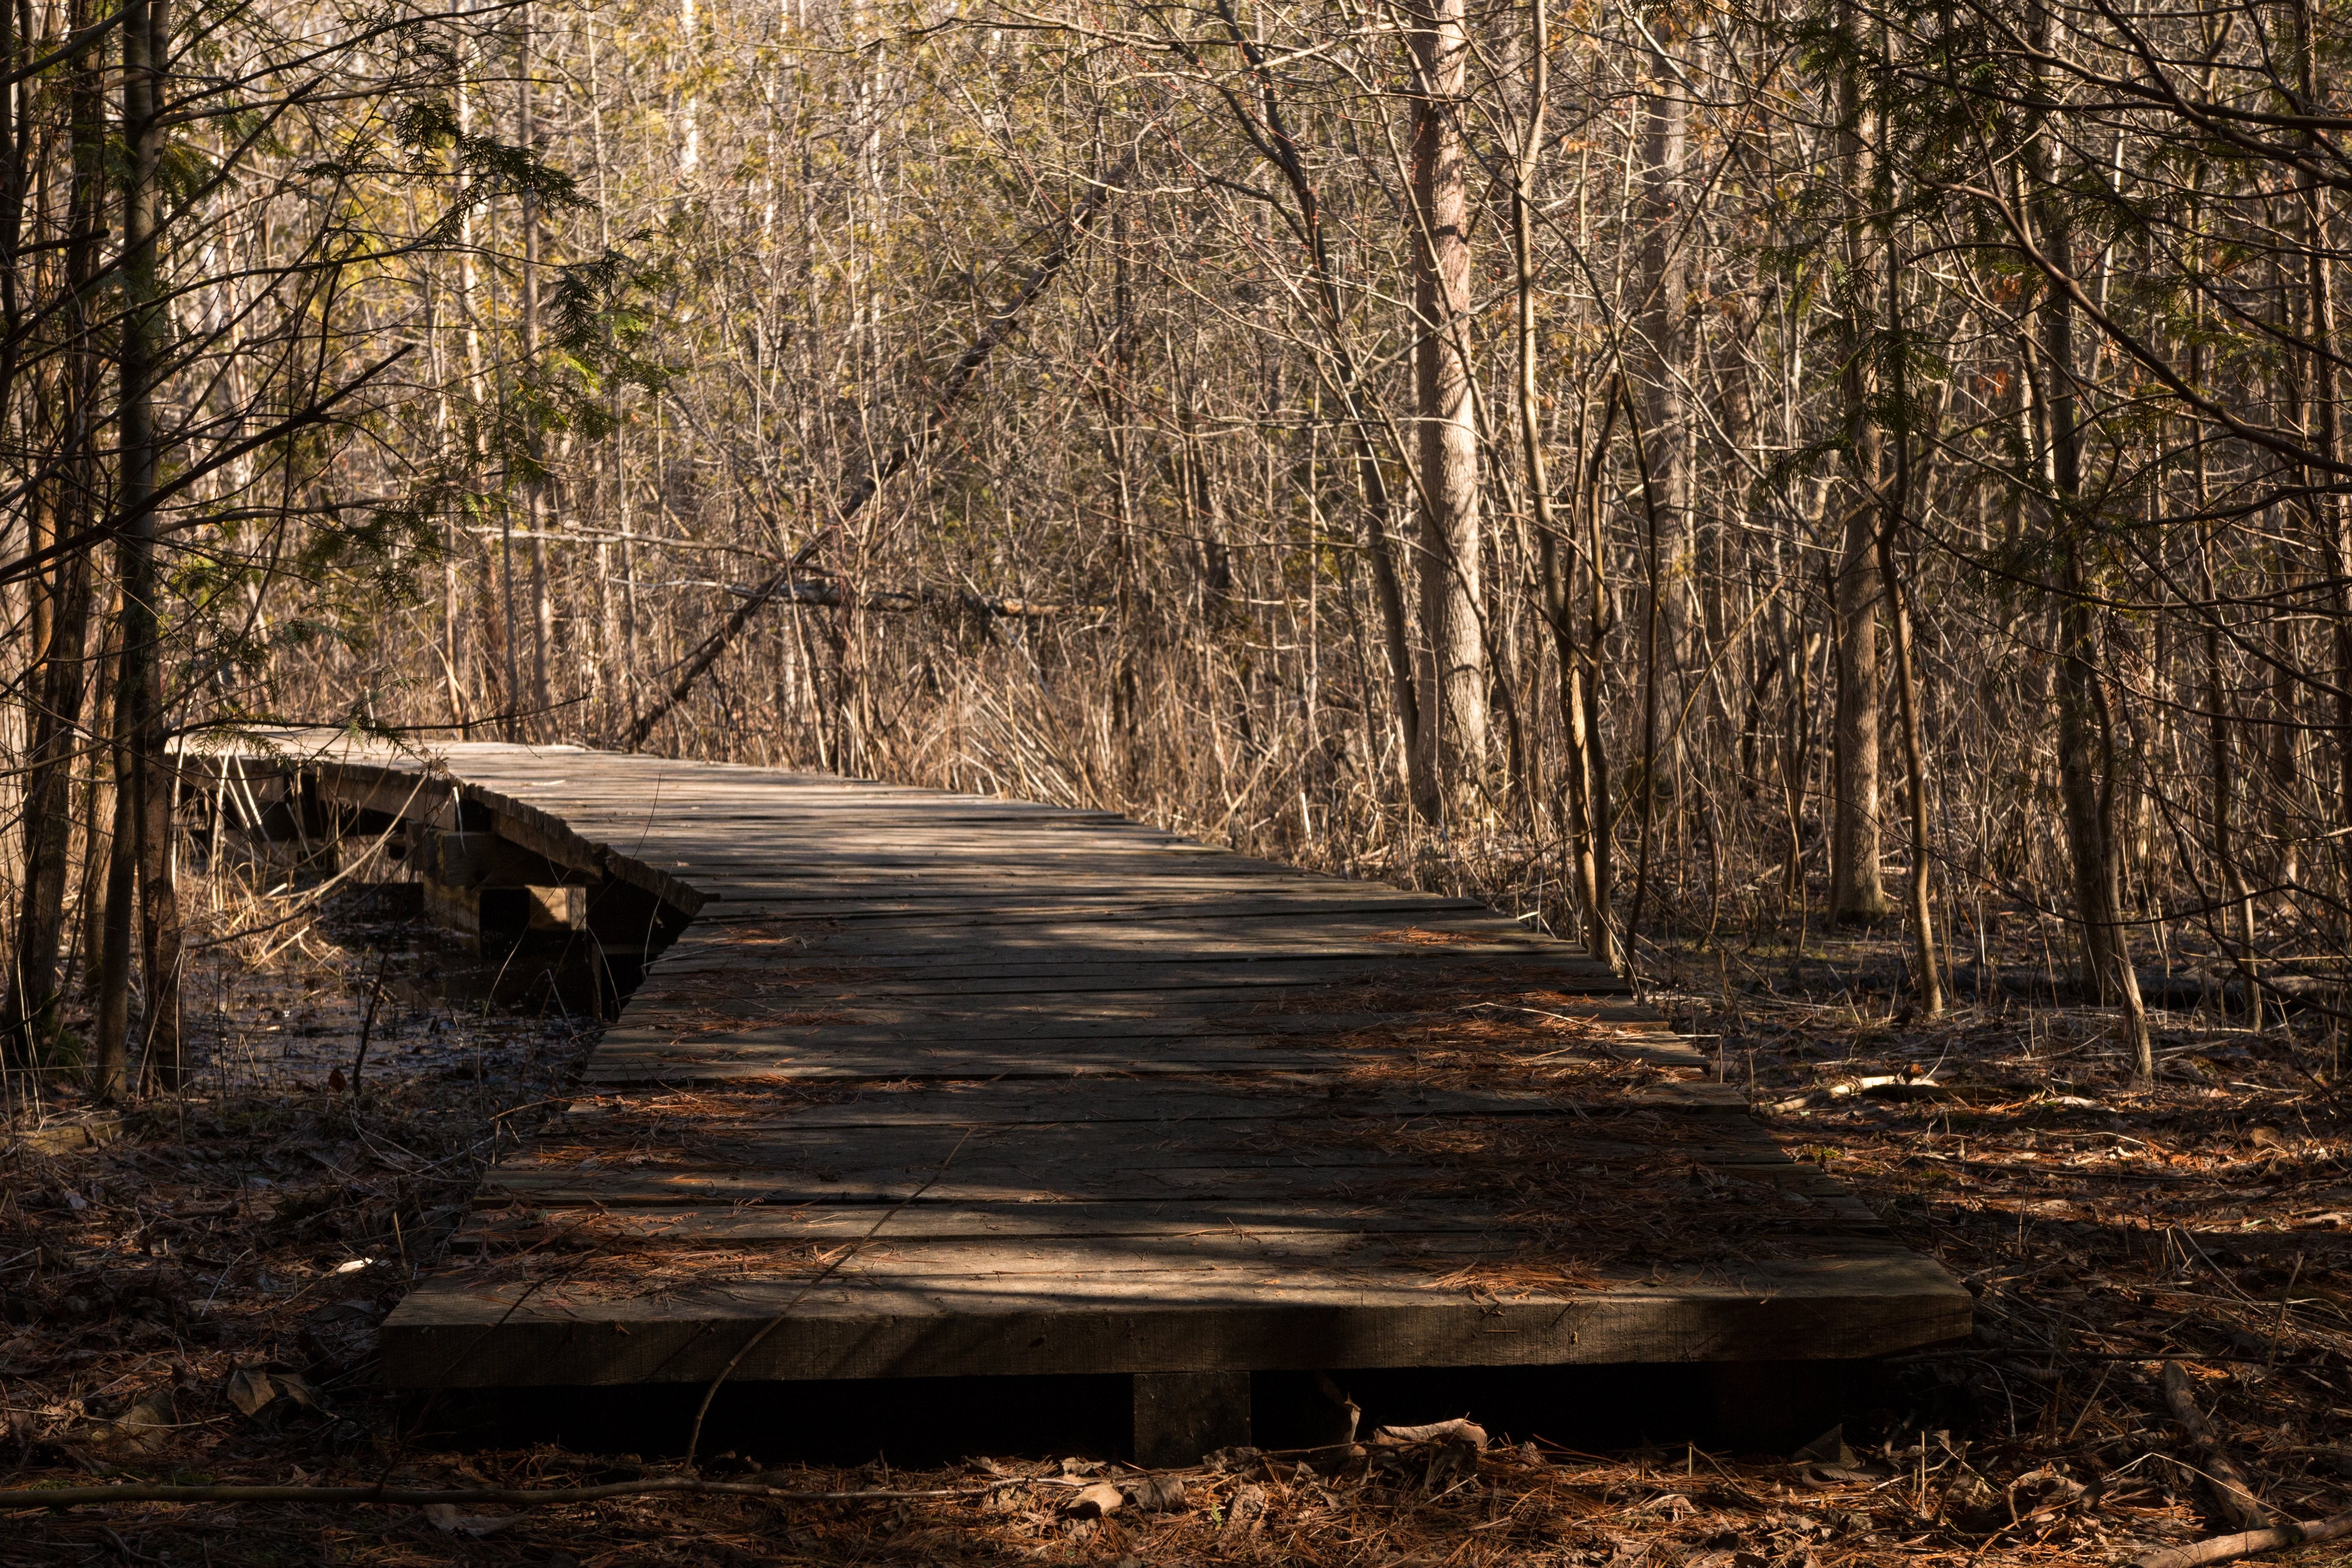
point(2229, 1548)
point(367, 1024)
point(418, 1497)
point(2231, 1488)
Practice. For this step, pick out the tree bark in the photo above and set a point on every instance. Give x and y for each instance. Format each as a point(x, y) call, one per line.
point(542, 607)
point(1454, 674)
point(2324, 434)
point(2086, 751)
point(1929, 983)
point(29, 1016)
point(117, 922)
point(145, 776)
point(1665, 366)
point(1857, 886)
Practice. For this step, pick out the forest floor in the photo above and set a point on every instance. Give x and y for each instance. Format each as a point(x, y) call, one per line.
point(196, 1301)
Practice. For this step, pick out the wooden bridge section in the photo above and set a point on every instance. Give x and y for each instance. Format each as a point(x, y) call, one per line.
point(922, 1084)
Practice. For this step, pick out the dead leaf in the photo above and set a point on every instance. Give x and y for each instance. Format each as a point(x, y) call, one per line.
point(1463, 1430)
point(249, 1389)
point(445, 1517)
point(296, 1388)
point(2042, 1491)
point(1243, 1513)
point(253, 1389)
point(1829, 1448)
point(1157, 1494)
point(1095, 1501)
point(144, 1426)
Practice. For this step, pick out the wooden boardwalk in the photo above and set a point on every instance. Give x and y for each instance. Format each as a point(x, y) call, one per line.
point(936, 1085)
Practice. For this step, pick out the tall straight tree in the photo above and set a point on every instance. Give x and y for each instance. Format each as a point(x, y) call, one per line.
point(144, 772)
point(1453, 678)
point(60, 680)
point(2088, 759)
point(1665, 368)
point(1857, 884)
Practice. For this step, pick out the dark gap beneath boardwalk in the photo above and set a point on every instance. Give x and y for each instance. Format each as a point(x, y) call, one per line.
point(1756, 1406)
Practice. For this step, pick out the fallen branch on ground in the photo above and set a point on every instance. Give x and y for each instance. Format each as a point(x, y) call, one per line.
point(515, 1497)
point(2229, 1548)
point(2231, 1488)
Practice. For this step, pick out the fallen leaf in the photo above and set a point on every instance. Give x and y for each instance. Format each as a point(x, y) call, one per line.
point(1243, 1513)
point(144, 1426)
point(1829, 1448)
point(1095, 1501)
point(249, 1389)
point(1458, 1431)
point(1157, 1494)
point(445, 1517)
point(294, 1386)
point(253, 1389)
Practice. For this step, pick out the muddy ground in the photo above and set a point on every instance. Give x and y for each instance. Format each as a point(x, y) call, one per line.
point(196, 1302)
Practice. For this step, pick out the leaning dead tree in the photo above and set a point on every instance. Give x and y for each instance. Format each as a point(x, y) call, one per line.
point(1072, 234)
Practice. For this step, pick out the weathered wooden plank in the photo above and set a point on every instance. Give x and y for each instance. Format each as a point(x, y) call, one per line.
point(915, 975)
point(1274, 926)
point(1837, 1308)
point(949, 951)
point(508, 1220)
point(1367, 1176)
point(1005, 908)
point(1259, 1099)
point(870, 1017)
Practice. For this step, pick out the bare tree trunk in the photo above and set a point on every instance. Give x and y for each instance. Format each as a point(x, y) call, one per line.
point(1587, 832)
point(1665, 366)
point(1454, 678)
point(29, 1014)
point(542, 607)
point(117, 923)
point(2086, 751)
point(2326, 438)
point(146, 777)
point(30, 1011)
point(1857, 887)
point(2221, 761)
point(1591, 898)
point(98, 802)
point(1929, 982)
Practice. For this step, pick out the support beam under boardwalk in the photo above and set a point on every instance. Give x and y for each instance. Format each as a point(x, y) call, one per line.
point(940, 1085)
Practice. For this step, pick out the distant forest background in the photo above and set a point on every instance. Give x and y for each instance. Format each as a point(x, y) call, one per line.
point(1694, 475)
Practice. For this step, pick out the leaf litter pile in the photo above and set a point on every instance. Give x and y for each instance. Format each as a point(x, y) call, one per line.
point(2163, 1281)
